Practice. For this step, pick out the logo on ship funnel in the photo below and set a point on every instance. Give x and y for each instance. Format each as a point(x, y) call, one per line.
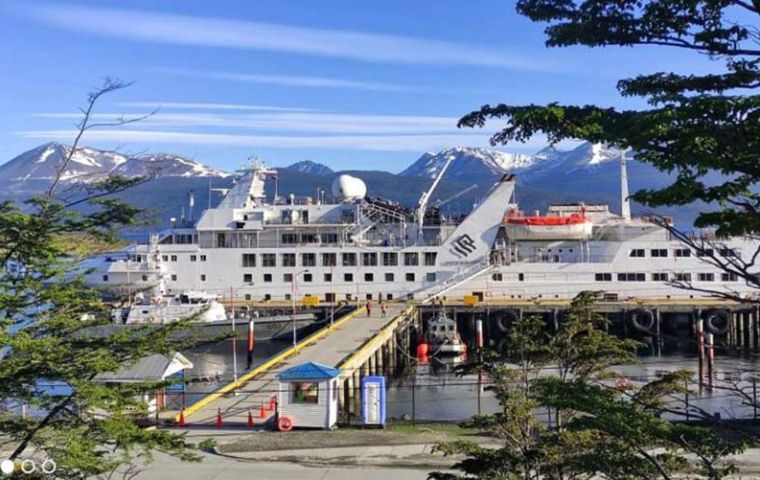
point(464, 245)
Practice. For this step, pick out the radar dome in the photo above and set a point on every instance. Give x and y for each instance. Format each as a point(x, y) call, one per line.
point(349, 188)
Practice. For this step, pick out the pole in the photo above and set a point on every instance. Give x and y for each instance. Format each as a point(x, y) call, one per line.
point(710, 360)
point(701, 351)
point(479, 340)
point(234, 338)
point(332, 304)
point(414, 390)
point(754, 398)
point(293, 314)
point(250, 342)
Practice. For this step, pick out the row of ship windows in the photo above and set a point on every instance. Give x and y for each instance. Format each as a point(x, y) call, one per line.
point(642, 277)
point(309, 277)
point(330, 259)
point(681, 252)
point(665, 277)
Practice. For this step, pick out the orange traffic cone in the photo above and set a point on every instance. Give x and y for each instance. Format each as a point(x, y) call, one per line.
point(219, 422)
point(250, 418)
point(181, 422)
point(271, 404)
point(262, 413)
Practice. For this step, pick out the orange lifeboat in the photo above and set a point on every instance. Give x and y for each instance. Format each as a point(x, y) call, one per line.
point(573, 227)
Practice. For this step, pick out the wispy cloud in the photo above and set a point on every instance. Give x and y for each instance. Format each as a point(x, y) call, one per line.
point(401, 143)
point(292, 80)
point(302, 122)
point(211, 106)
point(136, 25)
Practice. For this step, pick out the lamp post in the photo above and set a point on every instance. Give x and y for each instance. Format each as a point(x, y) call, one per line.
point(293, 298)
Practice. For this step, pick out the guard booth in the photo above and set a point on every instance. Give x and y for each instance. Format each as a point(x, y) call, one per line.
point(308, 396)
point(373, 401)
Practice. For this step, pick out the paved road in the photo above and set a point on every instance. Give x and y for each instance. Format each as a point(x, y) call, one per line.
point(214, 467)
point(329, 350)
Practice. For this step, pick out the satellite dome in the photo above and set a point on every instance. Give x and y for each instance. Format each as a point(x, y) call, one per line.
point(348, 188)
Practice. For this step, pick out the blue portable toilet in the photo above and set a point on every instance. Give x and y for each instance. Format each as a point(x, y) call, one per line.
point(373, 400)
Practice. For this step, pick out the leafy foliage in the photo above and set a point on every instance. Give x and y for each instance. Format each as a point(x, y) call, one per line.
point(53, 346)
point(699, 126)
point(599, 430)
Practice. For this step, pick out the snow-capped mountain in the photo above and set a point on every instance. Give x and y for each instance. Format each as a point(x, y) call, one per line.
point(468, 161)
point(585, 156)
point(166, 165)
point(89, 164)
point(308, 166)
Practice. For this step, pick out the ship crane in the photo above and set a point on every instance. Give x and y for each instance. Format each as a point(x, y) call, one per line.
point(425, 197)
point(440, 203)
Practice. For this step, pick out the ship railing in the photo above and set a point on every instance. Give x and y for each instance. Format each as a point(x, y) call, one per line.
point(455, 280)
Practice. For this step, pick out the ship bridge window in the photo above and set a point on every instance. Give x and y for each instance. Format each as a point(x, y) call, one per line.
point(268, 260)
point(603, 277)
point(249, 260)
point(637, 252)
point(174, 258)
point(289, 238)
point(369, 259)
point(288, 259)
point(659, 252)
point(729, 277)
point(329, 259)
point(682, 252)
point(193, 258)
point(705, 252)
point(430, 259)
point(411, 259)
point(309, 238)
point(728, 252)
point(706, 277)
point(203, 258)
point(390, 259)
point(683, 277)
point(309, 259)
point(659, 277)
point(349, 259)
point(329, 237)
point(632, 277)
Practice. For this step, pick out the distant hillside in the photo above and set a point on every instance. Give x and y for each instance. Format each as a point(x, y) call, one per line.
point(314, 168)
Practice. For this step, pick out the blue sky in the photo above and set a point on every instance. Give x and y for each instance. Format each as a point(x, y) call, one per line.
point(353, 84)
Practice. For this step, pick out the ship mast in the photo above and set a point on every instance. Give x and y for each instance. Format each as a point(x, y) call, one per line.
point(625, 202)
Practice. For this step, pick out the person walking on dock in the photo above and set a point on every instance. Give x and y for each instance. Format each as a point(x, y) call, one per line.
point(369, 308)
point(383, 309)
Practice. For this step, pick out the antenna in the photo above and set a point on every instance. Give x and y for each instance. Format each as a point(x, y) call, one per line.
point(625, 202)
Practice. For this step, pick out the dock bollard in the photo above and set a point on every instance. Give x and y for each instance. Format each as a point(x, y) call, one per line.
point(262, 412)
point(181, 422)
point(250, 418)
point(219, 422)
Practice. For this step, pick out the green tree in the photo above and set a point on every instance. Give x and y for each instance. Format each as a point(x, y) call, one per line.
point(606, 431)
point(697, 125)
point(48, 334)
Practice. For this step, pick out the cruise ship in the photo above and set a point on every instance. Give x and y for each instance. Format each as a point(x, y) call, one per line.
point(357, 247)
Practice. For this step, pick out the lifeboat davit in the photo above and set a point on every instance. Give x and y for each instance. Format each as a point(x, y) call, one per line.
point(573, 227)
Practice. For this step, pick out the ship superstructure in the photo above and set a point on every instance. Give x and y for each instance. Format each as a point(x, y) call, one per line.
point(358, 247)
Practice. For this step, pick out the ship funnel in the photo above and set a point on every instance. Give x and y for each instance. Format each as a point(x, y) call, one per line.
point(625, 201)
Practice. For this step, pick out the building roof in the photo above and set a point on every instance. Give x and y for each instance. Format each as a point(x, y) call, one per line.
point(309, 371)
point(153, 368)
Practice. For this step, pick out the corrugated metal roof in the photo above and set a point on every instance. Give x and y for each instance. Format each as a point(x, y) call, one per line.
point(309, 371)
point(153, 368)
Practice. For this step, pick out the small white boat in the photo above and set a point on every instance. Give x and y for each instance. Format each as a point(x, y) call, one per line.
point(443, 337)
point(167, 309)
